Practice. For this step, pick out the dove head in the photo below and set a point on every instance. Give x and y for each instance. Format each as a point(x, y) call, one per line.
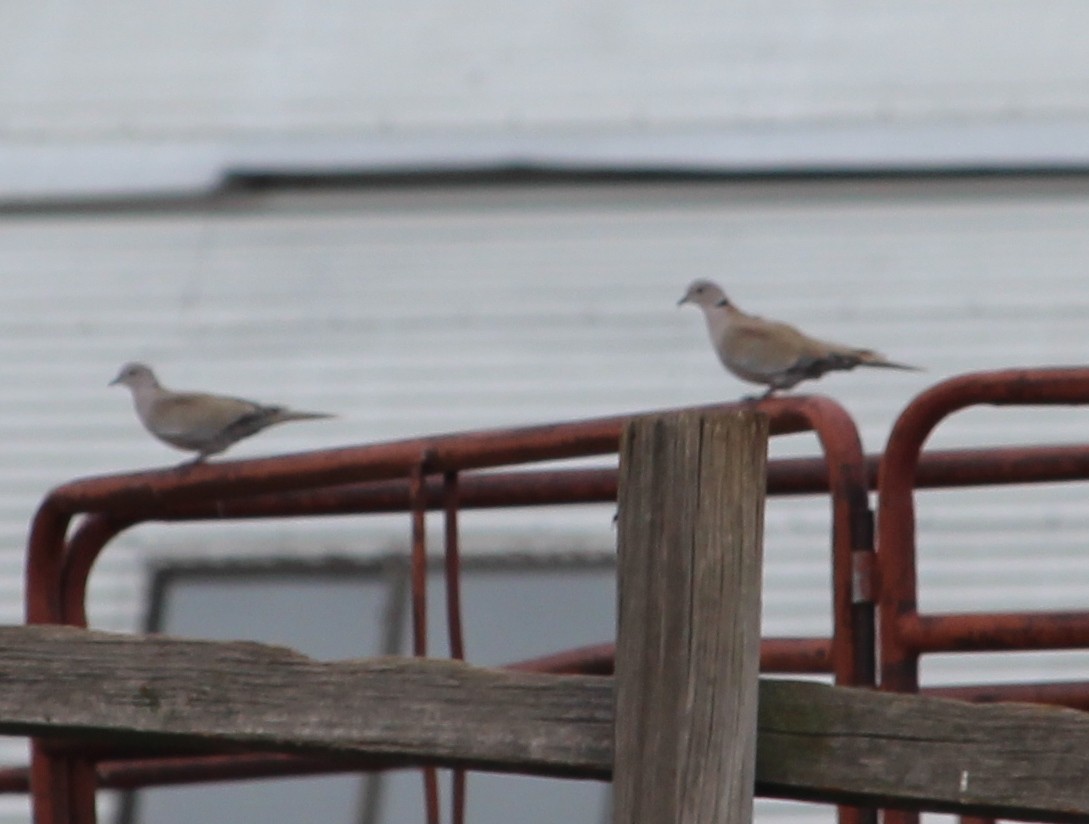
point(705, 294)
point(135, 376)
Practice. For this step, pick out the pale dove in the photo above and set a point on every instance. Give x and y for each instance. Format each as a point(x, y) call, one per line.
point(197, 422)
point(769, 352)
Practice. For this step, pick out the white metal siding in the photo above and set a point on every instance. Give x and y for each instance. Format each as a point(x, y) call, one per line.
point(419, 311)
point(116, 70)
point(103, 95)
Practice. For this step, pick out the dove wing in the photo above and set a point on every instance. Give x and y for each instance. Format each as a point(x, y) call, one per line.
point(760, 350)
point(192, 420)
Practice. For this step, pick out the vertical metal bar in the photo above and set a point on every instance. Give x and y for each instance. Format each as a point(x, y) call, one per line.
point(419, 560)
point(83, 781)
point(453, 566)
point(45, 552)
point(896, 551)
point(853, 650)
point(49, 781)
point(451, 503)
point(864, 598)
point(51, 778)
point(457, 803)
point(418, 496)
point(849, 487)
point(81, 551)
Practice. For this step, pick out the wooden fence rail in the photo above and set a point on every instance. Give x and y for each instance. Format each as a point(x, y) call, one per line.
point(813, 741)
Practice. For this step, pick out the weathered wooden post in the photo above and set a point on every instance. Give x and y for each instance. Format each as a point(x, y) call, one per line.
point(687, 656)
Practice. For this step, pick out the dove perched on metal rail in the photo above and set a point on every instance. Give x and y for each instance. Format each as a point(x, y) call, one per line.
point(195, 421)
point(769, 352)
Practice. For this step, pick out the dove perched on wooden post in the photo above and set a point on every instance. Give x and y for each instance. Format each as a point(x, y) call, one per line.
point(195, 421)
point(769, 352)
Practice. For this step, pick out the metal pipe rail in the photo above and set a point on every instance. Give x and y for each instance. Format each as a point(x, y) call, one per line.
point(905, 633)
point(413, 476)
point(478, 470)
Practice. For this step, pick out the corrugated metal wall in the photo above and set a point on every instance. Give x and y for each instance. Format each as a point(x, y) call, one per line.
point(108, 95)
point(416, 311)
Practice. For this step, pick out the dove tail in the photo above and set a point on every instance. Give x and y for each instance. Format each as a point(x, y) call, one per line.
point(284, 415)
point(867, 357)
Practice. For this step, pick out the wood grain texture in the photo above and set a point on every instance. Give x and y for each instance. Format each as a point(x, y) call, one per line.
point(156, 689)
point(1015, 761)
point(691, 498)
point(1007, 760)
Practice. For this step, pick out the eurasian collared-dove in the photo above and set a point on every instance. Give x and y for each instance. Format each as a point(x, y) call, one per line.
point(194, 421)
point(769, 352)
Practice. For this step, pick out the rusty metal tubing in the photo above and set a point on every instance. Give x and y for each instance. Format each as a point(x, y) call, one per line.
point(452, 564)
point(988, 466)
point(797, 656)
point(597, 659)
point(948, 468)
point(174, 769)
point(1071, 694)
point(135, 495)
point(588, 437)
point(134, 772)
point(853, 638)
point(897, 573)
point(418, 561)
point(791, 476)
point(218, 483)
point(896, 477)
point(82, 550)
point(833, 426)
point(452, 560)
point(138, 773)
point(993, 466)
point(419, 607)
point(796, 476)
point(221, 480)
point(52, 780)
point(559, 486)
point(83, 787)
point(800, 656)
point(77, 559)
point(145, 490)
point(477, 490)
point(45, 548)
point(994, 631)
point(14, 780)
